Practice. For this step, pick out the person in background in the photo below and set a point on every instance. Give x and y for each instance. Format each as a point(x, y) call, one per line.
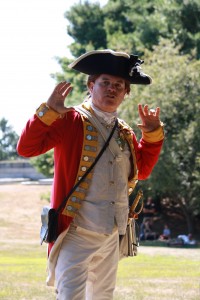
point(166, 233)
point(149, 209)
point(187, 239)
point(147, 231)
point(82, 262)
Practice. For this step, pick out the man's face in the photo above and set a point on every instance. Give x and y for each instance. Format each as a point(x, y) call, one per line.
point(107, 92)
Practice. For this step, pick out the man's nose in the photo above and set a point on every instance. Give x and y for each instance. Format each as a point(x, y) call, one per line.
point(112, 87)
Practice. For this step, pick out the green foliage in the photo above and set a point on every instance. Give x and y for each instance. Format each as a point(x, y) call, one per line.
point(140, 25)
point(176, 90)
point(44, 163)
point(8, 141)
point(130, 26)
point(145, 22)
point(189, 31)
point(166, 33)
point(77, 79)
point(86, 27)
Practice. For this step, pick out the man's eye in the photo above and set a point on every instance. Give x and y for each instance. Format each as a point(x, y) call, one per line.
point(119, 86)
point(105, 83)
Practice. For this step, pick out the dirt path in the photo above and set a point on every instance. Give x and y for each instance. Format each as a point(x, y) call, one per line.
point(20, 218)
point(20, 211)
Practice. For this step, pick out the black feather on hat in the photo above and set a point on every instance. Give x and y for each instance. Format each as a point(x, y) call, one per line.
point(114, 63)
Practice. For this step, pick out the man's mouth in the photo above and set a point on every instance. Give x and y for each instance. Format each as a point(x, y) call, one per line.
point(110, 96)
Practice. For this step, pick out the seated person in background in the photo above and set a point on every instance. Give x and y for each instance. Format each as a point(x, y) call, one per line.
point(147, 232)
point(166, 233)
point(149, 209)
point(187, 239)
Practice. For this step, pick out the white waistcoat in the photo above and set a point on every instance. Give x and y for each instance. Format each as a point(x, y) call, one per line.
point(106, 202)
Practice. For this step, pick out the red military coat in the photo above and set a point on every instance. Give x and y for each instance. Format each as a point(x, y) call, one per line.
point(66, 136)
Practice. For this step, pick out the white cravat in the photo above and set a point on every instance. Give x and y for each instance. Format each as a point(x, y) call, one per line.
point(108, 117)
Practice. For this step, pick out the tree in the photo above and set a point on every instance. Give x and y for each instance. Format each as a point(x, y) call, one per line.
point(135, 25)
point(176, 90)
point(8, 141)
point(44, 163)
point(126, 25)
point(187, 31)
point(132, 27)
point(86, 27)
point(162, 32)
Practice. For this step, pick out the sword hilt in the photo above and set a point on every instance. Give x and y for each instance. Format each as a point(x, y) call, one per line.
point(132, 212)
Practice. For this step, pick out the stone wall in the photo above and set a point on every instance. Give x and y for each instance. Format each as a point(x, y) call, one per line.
point(19, 169)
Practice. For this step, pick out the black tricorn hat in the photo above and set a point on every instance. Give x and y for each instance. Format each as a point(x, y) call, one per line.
point(114, 63)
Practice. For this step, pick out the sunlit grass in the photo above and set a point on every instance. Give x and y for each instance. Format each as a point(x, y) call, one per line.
point(157, 273)
point(155, 277)
point(158, 277)
point(23, 274)
point(159, 266)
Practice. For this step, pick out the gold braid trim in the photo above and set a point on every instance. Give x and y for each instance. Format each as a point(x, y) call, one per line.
point(128, 135)
point(88, 155)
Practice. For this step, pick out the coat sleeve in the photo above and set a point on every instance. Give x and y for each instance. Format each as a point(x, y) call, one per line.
point(41, 132)
point(147, 151)
point(37, 138)
point(41, 135)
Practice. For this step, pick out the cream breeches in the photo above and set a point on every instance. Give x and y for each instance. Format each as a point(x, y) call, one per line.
point(87, 265)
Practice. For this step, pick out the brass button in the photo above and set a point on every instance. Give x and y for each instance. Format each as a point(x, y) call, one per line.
point(89, 137)
point(41, 114)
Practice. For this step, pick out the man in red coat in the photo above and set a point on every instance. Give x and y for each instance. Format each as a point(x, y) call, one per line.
point(83, 260)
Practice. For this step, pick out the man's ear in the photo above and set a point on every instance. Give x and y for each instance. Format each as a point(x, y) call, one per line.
point(90, 86)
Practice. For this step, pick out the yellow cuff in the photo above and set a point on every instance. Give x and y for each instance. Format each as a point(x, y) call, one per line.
point(154, 136)
point(46, 114)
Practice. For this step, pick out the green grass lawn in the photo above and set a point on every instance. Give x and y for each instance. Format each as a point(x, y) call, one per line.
point(23, 273)
point(152, 276)
point(157, 273)
point(158, 277)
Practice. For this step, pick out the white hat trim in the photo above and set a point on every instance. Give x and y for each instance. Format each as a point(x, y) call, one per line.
point(98, 52)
